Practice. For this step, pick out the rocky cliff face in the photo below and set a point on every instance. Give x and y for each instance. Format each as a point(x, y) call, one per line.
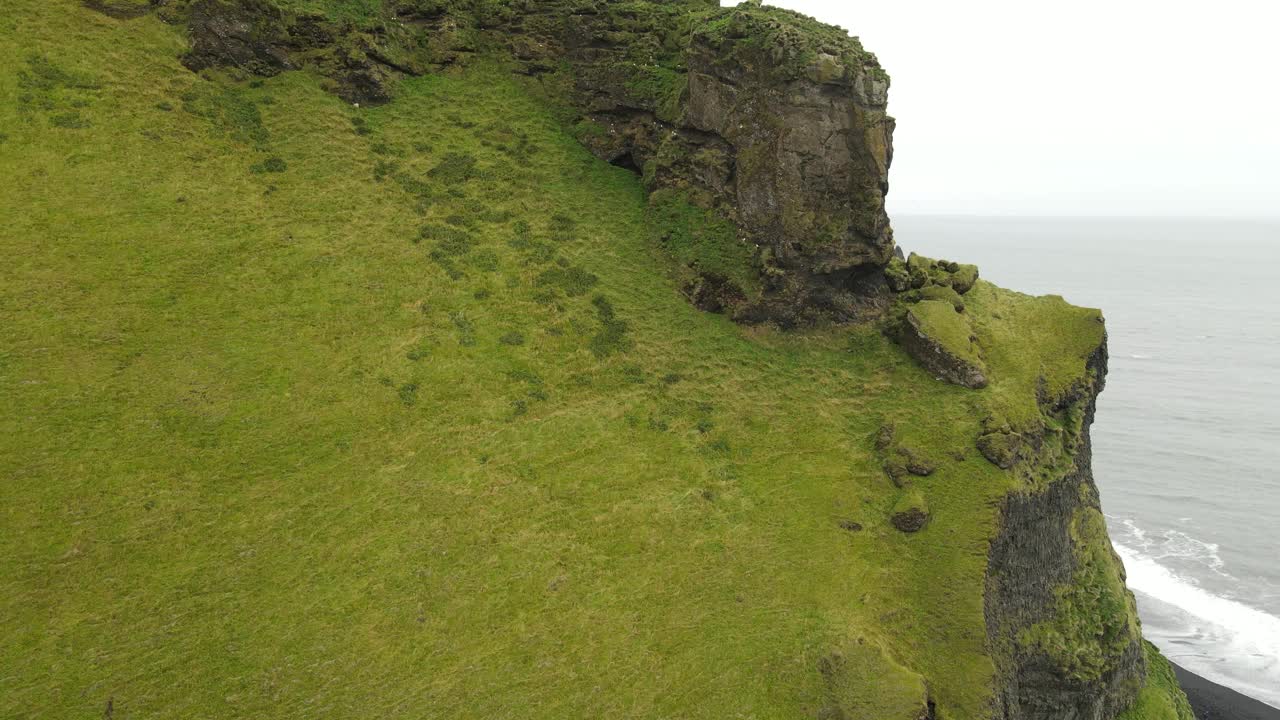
point(766, 118)
point(1061, 624)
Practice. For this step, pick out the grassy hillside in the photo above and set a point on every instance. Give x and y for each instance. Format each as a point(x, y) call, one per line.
point(315, 410)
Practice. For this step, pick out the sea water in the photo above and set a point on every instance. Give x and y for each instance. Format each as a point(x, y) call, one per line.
point(1186, 444)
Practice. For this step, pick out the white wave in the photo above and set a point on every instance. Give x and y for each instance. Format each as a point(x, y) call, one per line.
point(1236, 645)
point(1137, 356)
point(1174, 545)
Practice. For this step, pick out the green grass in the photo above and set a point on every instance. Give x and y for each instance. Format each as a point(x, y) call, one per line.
point(699, 240)
point(1160, 698)
point(1032, 346)
point(939, 320)
point(1095, 617)
point(269, 446)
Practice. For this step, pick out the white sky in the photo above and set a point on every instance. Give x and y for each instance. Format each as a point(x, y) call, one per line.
point(1089, 107)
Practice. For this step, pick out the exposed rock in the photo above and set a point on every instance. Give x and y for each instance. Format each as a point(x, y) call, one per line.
point(362, 66)
point(247, 34)
point(812, 147)
point(850, 525)
point(772, 120)
point(714, 293)
point(911, 513)
point(941, 344)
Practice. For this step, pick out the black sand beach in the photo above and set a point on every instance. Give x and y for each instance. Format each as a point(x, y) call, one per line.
point(1211, 701)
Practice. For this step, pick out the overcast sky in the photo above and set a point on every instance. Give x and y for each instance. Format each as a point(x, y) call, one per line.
point(1089, 107)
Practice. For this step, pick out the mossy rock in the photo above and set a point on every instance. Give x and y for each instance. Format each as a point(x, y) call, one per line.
point(1003, 449)
point(925, 272)
point(918, 269)
point(897, 275)
point(910, 513)
point(1160, 698)
point(939, 292)
point(884, 436)
point(941, 340)
point(896, 470)
point(1095, 620)
point(964, 278)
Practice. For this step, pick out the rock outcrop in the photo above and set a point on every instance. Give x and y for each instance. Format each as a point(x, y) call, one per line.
point(770, 120)
point(361, 64)
point(931, 324)
point(940, 341)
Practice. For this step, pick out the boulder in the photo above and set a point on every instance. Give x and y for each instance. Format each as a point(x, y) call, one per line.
point(940, 339)
point(911, 513)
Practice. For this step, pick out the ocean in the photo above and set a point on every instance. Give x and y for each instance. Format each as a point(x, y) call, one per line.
point(1187, 437)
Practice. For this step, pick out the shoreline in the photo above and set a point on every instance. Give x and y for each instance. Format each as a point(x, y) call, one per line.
point(1212, 701)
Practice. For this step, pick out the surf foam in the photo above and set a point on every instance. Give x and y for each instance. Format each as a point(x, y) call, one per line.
point(1235, 645)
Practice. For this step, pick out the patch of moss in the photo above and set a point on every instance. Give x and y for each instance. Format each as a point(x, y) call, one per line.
point(788, 42)
point(939, 320)
point(1095, 618)
point(1160, 698)
point(701, 240)
point(938, 292)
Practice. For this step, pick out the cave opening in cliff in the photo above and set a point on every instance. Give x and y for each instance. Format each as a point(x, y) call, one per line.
point(626, 160)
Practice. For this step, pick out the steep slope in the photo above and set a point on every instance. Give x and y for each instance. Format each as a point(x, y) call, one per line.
point(402, 410)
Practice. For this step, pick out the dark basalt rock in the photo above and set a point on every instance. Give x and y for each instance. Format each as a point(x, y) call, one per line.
point(910, 520)
point(911, 513)
point(246, 34)
point(257, 37)
point(811, 157)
